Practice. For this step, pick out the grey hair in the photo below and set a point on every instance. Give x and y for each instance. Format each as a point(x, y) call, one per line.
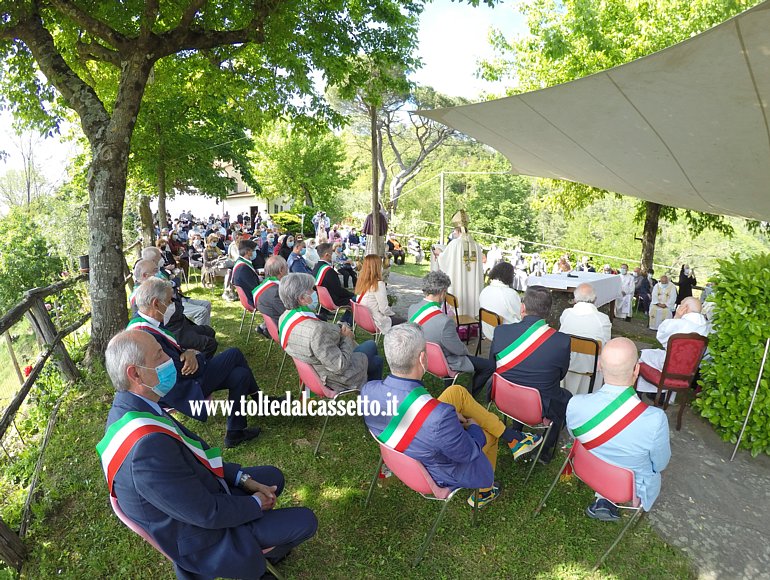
point(585, 293)
point(403, 344)
point(435, 282)
point(293, 287)
point(151, 253)
point(276, 265)
point(152, 289)
point(122, 351)
point(144, 266)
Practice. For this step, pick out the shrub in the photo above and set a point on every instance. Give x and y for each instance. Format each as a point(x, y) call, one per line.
point(289, 222)
point(741, 326)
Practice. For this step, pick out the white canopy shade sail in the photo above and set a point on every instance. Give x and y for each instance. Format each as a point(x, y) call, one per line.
point(684, 127)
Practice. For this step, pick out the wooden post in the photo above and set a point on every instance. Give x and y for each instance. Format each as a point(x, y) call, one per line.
point(46, 334)
point(14, 360)
point(12, 550)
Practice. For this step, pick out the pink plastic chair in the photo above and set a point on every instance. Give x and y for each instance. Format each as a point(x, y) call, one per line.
point(437, 363)
point(362, 317)
point(272, 329)
point(141, 532)
point(413, 474)
point(326, 302)
point(610, 481)
point(246, 308)
point(309, 378)
point(522, 404)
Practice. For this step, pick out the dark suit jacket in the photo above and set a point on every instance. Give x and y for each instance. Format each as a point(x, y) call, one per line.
point(543, 369)
point(187, 387)
point(340, 295)
point(184, 507)
point(269, 304)
point(247, 279)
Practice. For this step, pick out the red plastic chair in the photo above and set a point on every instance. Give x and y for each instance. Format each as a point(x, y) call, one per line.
point(325, 301)
point(141, 532)
point(246, 308)
point(309, 378)
point(413, 474)
point(522, 404)
point(437, 363)
point(362, 317)
point(684, 353)
point(272, 329)
point(610, 481)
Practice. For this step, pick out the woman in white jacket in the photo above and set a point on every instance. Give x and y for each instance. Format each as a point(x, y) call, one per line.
point(371, 292)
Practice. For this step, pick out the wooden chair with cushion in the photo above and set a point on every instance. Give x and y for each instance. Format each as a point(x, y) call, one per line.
point(462, 320)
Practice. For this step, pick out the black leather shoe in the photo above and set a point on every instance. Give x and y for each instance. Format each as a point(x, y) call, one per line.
point(235, 438)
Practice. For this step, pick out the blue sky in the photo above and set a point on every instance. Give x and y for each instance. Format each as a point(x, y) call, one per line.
point(453, 37)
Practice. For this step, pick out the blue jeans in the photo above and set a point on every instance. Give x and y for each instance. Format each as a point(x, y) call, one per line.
point(374, 369)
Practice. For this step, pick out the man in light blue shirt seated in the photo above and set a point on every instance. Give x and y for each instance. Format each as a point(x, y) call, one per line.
point(618, 428)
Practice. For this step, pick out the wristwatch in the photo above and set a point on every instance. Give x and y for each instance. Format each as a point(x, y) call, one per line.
point(243, 479)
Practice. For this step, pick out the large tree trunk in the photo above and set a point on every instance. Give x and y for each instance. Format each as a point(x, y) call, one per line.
point(650, 235)
point(375, 182)
point(107, 191)
point(145, 213)
point(162, 222)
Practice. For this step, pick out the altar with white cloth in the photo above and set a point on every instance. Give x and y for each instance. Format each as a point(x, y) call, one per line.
point(606, 286)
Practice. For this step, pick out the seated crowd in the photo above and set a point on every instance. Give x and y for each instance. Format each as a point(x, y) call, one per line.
point(214, 518)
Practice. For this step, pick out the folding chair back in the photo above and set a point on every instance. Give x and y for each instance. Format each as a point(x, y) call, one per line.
point(590, 347)
point(244, 299)
point(462, 320)
point(487, 317)
point(610, 481)
point(437, 363)
point(412, 473)
point(309, 377)
point(362, 317)
point(521, 403)
point(683, 356)
point(325, 299)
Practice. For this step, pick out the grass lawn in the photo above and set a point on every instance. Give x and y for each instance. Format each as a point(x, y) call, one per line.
point(75, 535)
point(409, 268)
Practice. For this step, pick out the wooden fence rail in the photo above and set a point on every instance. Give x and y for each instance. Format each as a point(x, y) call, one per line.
point(32, 306)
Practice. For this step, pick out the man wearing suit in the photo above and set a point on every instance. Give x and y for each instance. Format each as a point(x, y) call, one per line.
point(197, 378)
point(265, 296)
point(330, 348)
point(640, 441)
point(441, 329)
point(189, 334)
point(457, 442)
point(211, 518)
point(531, 354)
point(244, 274)
point(326, 276)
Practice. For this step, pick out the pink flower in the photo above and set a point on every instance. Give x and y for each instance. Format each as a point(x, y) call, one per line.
point(27, 370)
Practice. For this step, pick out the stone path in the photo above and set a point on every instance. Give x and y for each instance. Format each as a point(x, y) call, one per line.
point(716, 511)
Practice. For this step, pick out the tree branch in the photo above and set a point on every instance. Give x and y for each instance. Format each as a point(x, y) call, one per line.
point(96, 51)
point(90, 24)
point(151, 9)
point(190, 12)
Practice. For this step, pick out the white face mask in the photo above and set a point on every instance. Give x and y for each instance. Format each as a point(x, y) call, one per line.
point(623, 271)
point(664, 284)
point(169, 313)
point(424, 368)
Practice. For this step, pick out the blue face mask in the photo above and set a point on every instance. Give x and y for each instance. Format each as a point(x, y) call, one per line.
point(290, 244)
point(302, 251)
point(166, 378)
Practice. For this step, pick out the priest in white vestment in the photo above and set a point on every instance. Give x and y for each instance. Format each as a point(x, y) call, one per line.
point(627, 287)
point(585, 320)
point(662, 303)
point(462, 262)
point(688, 319)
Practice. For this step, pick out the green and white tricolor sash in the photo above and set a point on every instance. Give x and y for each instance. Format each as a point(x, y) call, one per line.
point(523, 346)
point(124, 433)
point(424, 314)
point(240, 263)
point(291, 320)
point(611, 420)
point(267, 283)
point(140, 323)
point(411, 414)
point(322, 272)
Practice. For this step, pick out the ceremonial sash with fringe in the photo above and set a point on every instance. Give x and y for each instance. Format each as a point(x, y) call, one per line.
point(124, 433)
point(291, 320)
point(611, 420)
point(411, 414)
point(523, 346)
point(424, 314)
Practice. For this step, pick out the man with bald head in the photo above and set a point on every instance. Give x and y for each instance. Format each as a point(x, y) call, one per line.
point(584, 320)
point(688, 318)
point(616, 426)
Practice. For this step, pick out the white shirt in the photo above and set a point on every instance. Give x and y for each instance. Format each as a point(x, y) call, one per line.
point(502, 300)
point(690, 322)
point(585, 320)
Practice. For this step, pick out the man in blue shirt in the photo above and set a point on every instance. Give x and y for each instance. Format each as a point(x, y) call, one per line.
point(296, 262)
